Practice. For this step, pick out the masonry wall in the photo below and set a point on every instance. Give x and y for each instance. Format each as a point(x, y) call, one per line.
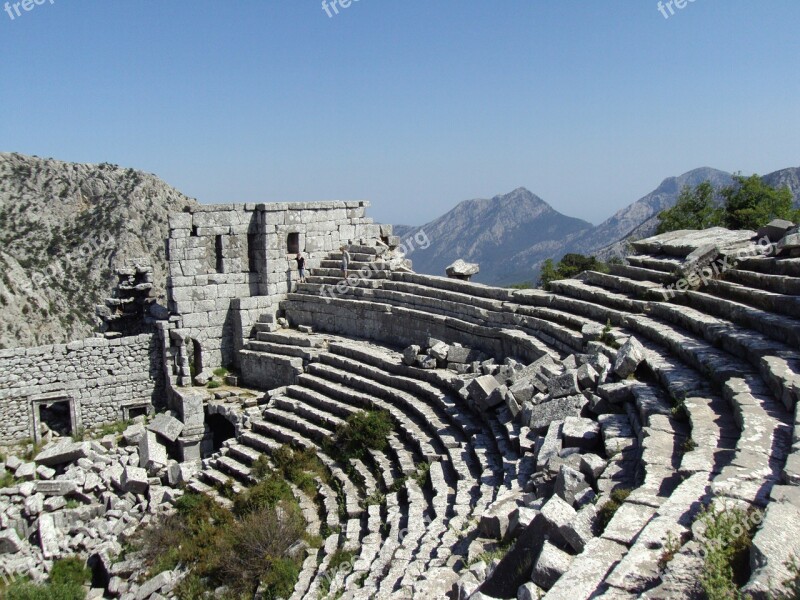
point(100, 376)
point(229, 264)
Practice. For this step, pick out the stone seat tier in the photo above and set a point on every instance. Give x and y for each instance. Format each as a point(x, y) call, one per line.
point(311, 413)
point(786, 267)
point(280, 349)
point(642, 274)
point(197, 486)
point(315, 284)
point(783, 302)
point(661, 262)
point(776, 361)
point(775, 284)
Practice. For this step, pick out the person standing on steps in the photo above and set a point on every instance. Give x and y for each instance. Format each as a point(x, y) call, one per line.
point(301, 267)
point(345, 260)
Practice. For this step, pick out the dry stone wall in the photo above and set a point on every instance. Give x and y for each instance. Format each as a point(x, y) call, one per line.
point(99, 377)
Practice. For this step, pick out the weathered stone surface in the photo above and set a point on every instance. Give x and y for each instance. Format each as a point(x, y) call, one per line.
point(166, 426)
point(56, 488)
point(9, 542)
point(134, 480)
point(410, 354)
point(439, 351)
point(494, 521)
point(153, 585)
point(480, 389)
point(462, 270)
point(152, 453)
point(26, 471)
point(629, 357)
point(775, 544)
point(592, 466)
point(557, 514)
point(570, 484)
point(425, 362)
point(564, 385)
point(62, 452)
point(550, 566)
point(579, 432)
point(587, 377)
point(541, 415)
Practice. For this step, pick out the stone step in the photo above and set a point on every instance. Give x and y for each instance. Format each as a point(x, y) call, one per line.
point(663, 263)
point(776, 284)
point(298, 423)
point(642, 274)
point(243, 453)
point(783, 328)
point(368, 271)
point(290, 339)
point(633, 288)
point(773, 302)
point(786, 267)
point(598, 296)
point(259, 443)
point(230, 466)
point(280, 349)
point(311, 390)
point(333, 283)
point(198, 487)
point(314, 415)
point(478, 290)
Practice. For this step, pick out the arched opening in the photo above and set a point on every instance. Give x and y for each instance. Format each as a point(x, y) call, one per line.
point(220, 429)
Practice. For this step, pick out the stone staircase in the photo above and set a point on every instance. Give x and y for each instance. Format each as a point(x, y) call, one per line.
point(725, 353)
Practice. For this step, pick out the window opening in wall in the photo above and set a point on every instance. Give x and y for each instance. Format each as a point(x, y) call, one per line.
point(194, 231)
point(252, 263)
point(195, 356)
point(218, 252)
point(293, 243)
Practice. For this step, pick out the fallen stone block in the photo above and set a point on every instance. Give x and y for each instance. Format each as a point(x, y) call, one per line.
point(410, 354)
point(439, 351)
point(167, 427)
point(134, 480)
point(519, 520)
point(775, 544)
point(616, 393)
point(587, 377)
point(424, 361)
point(580, 530)
point(133, 433)
point(48, 536)
point(775, 230)
point(462, 270)
point(44, 472)
point(523, 391)
point(582, 433)
point(556, 514)
point(152, 454)
point(26, 471)
point(204, 377)
point(56, 488)
point(592, 467)
point(541, 415)
point(629, 357)
point(495, 519)
point(550, 566)
point(563, 385)
point(480, 388)
point(62, 452)
point(10, 542)
point(570, 484)
point(530, 591)
point(153, 585)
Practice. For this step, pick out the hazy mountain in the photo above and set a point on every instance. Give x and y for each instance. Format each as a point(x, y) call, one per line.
point(786, 178)
point(64, 228)
point(507, 235)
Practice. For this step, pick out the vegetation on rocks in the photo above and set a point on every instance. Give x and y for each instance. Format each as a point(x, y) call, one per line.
point(363, 431)
point(747, 204)
point(66, 582)
point(569, 266)
point(609, 509)
point(727, 541)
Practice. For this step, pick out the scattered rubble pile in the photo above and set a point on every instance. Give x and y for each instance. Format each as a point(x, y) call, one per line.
point(577, 434)
point(86, 499)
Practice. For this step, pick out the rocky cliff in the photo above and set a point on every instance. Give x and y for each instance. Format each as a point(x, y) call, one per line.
point(64, 229)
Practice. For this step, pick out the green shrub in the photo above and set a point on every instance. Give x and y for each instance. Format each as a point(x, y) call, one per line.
point(221, 372)
point(265, 494)
point(569, 266)
point(214, 384)
point(728, 537)
point(364, 430)
point(261, 467)
point(65, 583)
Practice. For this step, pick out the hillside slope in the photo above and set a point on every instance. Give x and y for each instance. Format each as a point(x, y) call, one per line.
point(64, 228)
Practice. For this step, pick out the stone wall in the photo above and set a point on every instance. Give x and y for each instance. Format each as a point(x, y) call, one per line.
point(99, 377)
point(229, 264)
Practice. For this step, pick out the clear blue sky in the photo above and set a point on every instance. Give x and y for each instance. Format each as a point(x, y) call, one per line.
point(412, 104)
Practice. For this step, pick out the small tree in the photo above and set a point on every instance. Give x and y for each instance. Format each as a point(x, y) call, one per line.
point(547, 274)
point(750, 203)
point(696, 208)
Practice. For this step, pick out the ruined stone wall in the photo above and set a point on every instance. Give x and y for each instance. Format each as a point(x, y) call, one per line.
point(100, 377)
point(229, 264)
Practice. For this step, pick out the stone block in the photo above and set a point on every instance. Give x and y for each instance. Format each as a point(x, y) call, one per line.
point(550, 566)
point(582, 433)
point(629, 357)
point(134, 480)
point(10, 542)
point(564, 385)
point(167, 426)
point(541, 415)
point(152, 453)
point(56, 488)
point(570, 484)
point(481, 388)
point(62, 452)
point(48, 536)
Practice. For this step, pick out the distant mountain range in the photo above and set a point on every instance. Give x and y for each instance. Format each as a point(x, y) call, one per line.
point(512, 234)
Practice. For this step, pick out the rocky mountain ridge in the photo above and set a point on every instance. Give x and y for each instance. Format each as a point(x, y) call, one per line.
point(64, 229)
